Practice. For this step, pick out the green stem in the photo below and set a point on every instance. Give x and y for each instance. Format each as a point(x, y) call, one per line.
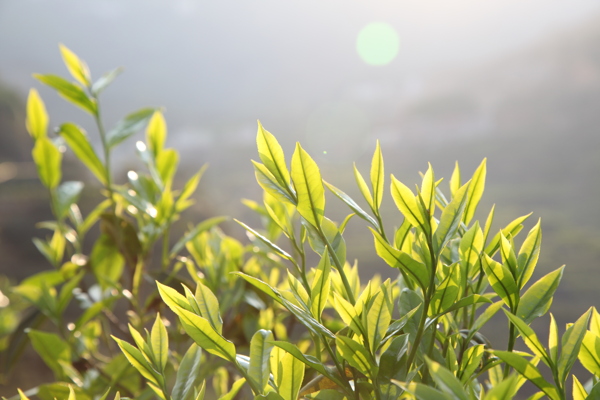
point(338, 265)
point(511, 345)
point(106, 150)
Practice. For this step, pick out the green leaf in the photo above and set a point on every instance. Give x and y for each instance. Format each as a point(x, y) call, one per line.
point(205, 335)
point(589, 354)
point(106, 262)
point(475, 192)
point(529, 254)
point(511, 230)
point(501, 281)
point(427, 192)
point(156, 133)
point(79, 143)
point(470, 362)
point(423, 392)
point(129, 125)
point(270, 185)
point(537, 299)
point(308, 360)
point(334, 237)
point(105, 80)
point(364, 189)
point(553, 340)
point(173, 298)
point(260, 351)
point(188, 190)
point(407, 204)
point(529, 371)
point(445, 293)
point(471, 245)
point(159, 340)
point(356, 355)
point(348, 314)
point(187, 374)
point(320, 287)
point(77, 67)
point(309, 187)
point(579, 392)
point(378, 320)
point(135, 357)
point(484, 318)
point(504, 390)
point(401, 260)
point(47, 160)
point(124, 235)
point(466, 301)
point(290, 380)
point(209, 306)
point(455, 179)
point(198, 229)
point(37, 117)
point(571, 344)
point(272, 156)
point(509, 258)
point(450, 219)
point(393, 360)
point(352, 204)
point(278, 250)
point(52, 349)
point(66, 194)
point(377, 176)
point(529, 337)
point(70, 91)
point(262, 286)
point(235, 388)
point(166, 164)
point(446, 380)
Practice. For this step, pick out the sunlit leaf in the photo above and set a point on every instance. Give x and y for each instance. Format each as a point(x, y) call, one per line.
point(37, 117)
point(129, 125)
point(475, 192)
point(260, 351)
point(77, 67)
point(70, 91)
point(47, 160)
point(309, 187)
point(81, 146)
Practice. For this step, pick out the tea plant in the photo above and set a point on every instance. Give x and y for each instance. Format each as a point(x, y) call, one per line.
point(262, 321)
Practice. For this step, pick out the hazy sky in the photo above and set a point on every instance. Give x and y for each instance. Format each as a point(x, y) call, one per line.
point(228, 60)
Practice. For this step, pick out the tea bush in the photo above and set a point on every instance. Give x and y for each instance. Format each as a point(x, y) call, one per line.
point(211, 317)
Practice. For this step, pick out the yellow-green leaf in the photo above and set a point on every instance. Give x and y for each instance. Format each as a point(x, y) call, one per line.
point(79, 143)
point(159, 340)
point(156, 133)
point(377, 176)
point(272, 156)
point(309, 187)
point(475, 192)
point(407, 204)
point(47, 160)
point(77, 67)
point(37, 117)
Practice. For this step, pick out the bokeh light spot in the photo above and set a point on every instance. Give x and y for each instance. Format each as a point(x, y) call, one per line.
point(378, 43)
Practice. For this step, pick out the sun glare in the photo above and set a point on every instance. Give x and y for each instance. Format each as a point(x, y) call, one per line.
point(377, 43)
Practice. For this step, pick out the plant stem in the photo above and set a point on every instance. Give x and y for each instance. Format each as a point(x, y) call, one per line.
point(338, 266)
point(106, 150)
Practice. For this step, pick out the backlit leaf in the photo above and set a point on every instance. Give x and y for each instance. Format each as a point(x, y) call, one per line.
point(475, 192)
point(129, 125)
point(37, 117)
point(47, 160)
point(79, 143)
point(309, 187)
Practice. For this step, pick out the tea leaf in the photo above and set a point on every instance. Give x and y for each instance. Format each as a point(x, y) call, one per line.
point(47, 160)
point(129, 125)
point(377, 176)
point(70, 91)
point(79, 143)
point(37, 117)
point(309, 187)
point(260, 351)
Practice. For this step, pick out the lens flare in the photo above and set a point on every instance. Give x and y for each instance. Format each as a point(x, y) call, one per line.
point(377, 43)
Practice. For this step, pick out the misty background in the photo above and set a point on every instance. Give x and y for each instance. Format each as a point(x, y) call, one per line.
point(516, 81)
